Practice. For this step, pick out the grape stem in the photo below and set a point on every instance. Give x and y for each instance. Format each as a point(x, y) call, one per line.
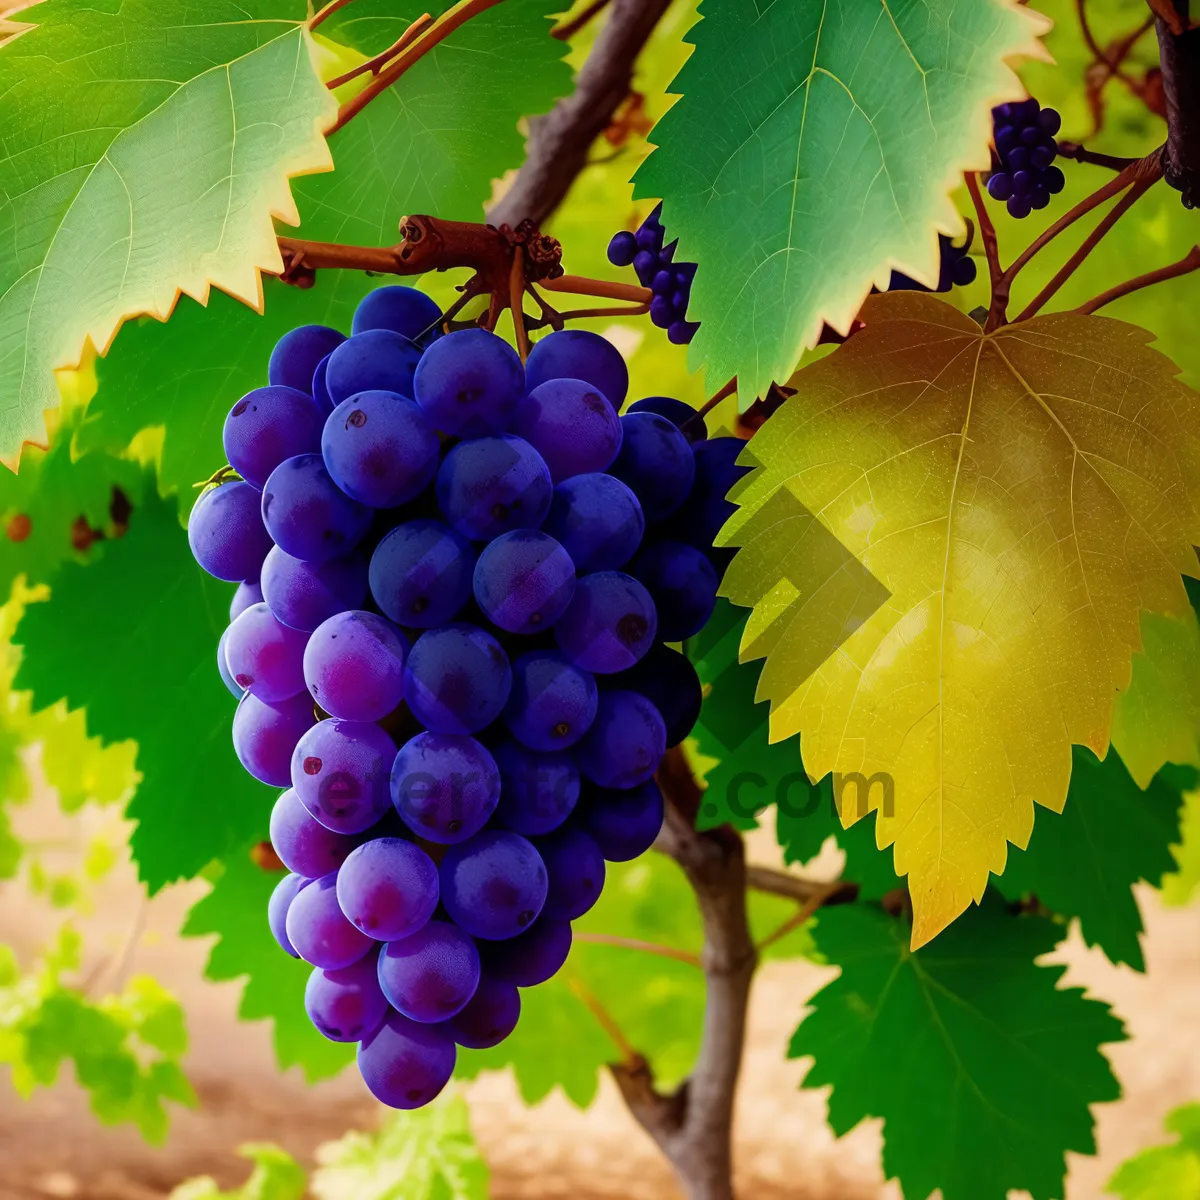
point(568, 29)
point(325, 13)
point(698, 416)
point(608, 939)
point(376, 64)
point(630, 1058)
point(1189, 262)
point(987, 231)
point(1078, 153)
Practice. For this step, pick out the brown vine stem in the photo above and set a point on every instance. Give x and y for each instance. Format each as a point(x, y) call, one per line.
point(1190, 262)
point(568, 29)
point(819, 898)
point(1078, 153)
point(608, 939)
point(578, 285)
point(1165, 11)
point(325, 13)
point(698, 416)
point(987, 231)
point(374, 65)
point(629, 1056)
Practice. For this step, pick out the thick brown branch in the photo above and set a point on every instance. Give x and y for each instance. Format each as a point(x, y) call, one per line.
point(1179, 54)
point(1190, 262)
point(559, 142)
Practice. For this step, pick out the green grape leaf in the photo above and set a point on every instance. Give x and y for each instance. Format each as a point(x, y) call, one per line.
point(1180, 884)
point(132, 638)
point(148, 145)
point(1170, 1172)
point(276, 1176)
point(428, 1154)
point(1084, 861)
point(990, 1066)
point(812, 152)
point(236, 911)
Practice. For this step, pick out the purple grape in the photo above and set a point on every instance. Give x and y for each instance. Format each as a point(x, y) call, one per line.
point(246, 595)
point(266, 426)
point(380, 449)
point(403, 310)
point(318, 930)
point(574, 873)
point(346, 1005)
point(683, 585)
point(524, 581)
point(644, 263)
point(597, 520)
point(469, 383)
point(354, 666)
point(552, 703)
point(375, 360)
point(388, 888)
point(223, 667)
point(656, 462)
point(421, 574)
point(622, 248)
point(538, 791)
point(680, 333)
point(531, 957)
point(489, 1016)
point(682, 416)
point(340, 772)
point(277, 909)
point(571, 425)
point(609, 624)
point(999, 185)
point(669, 681)
point(623, 823)
point(431, 975)
point(303, 844)
point(579, 354)
point(445, 787)
point(303, 594)
point(457, 679)
point(264, 657)
point(320, 388)
point(405, 1064)
point(226, 532)
point(490, 485)
point(297, 354)
point(307, 514)
point(625, 743)
point(265, 735)
point(493, 885)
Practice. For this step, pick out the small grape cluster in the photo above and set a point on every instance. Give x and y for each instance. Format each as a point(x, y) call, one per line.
point(457, 575)
point(957, 269)
point(1023, 134)
point(671, 282)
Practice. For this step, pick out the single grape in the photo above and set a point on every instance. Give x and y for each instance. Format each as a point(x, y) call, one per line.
point(669, 681)
point(622, 248)
point(645, 263)
point(579, 354)
point(303, 594)
point(531, 957)
point(571, 425)
point(538, 791)
point(444, 786)
point(662, 312)
point(223, 667)
point(707, 509)
point(656, 462)
point(524, 581)
point(265, 657)
point(320, 388)
point(346, 1005)
point(574, 873)
point(493, 885)
point(683, 416)
point(421, 573)
point(297, 354)
point(277, 909)
point(625, 743)
point(306, 513)
point(380, 449)
point(303, 844)
point(490, 485)
point(609, 624)
point(266, 426)
point(430, 975)
point(354, 665)
point(488, 1017)
point(226, 532)
point(405, 1064)
point(681, 332)
point(999, 185)
point(403, 310)
point(623, 822)
point(318, 930)
point(340, 772)
point(552, 703)
point(457, 679)
point(376, 360)
point(469, 383)
point(649, 236)
point(246, 595)
point(683, 585)
point(388, 888)
point(597, 520)
point(265, 735)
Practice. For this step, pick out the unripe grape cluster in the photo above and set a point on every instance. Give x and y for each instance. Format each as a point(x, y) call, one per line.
point(457, 577)
point(669, 281)
point(1023, 134)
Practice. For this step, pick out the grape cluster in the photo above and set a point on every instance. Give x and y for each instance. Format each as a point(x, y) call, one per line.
point(456, 578)
point(1023, 134)
point(957, 269)
point(671, 282)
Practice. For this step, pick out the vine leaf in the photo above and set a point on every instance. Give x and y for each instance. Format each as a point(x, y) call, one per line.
point(813, 151)
point(175, 130)
point(132, 638)
point(1022, 496)
point(991, 1066)
point(1164, 1172)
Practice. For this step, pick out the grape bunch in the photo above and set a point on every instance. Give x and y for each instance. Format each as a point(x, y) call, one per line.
point(957, 269)
point(671, 282)
point(457, 575)
point(1023, 134)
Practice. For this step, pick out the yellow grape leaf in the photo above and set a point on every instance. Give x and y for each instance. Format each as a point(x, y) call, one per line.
point(1022, 496)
